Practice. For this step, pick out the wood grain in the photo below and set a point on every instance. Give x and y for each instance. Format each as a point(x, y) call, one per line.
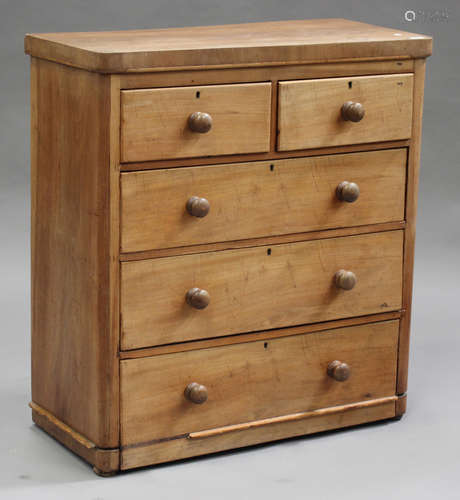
point(253, 289)
point(259, 199)
point(262, 335)
point(271, 155)
point(266, 253)
point(282, 42)
point(234, 74)
point(74, 347)
point(413, 168)
point(289, 418)
point(182, 448)
point(309, 111)
point(155, 122)
point(254, 381)
point(270, 240)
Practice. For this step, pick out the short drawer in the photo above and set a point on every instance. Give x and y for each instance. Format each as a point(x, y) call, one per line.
point(251, 381)
point(257, 199)
point(313, 113)
point(158, 123)
point(257, 288)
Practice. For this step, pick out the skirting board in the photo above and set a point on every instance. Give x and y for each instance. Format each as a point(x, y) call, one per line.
point(196, 444)
point(109, 461)
point(104, 461)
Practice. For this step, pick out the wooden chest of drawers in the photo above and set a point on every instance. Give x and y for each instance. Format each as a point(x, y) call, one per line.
point(223, 224)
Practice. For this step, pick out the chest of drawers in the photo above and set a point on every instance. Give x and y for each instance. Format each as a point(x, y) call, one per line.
point(223, 224)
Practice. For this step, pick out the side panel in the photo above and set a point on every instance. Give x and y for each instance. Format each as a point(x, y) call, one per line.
point(74, 348)
point(413, 167)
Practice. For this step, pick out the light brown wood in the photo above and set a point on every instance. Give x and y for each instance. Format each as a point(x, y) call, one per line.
point(263, 73)
point(289, 418)
point(262, 335)
point(105, 460)
point(254, 381)
point(273, 155)
point(182, 448)
point(258, 288)
point(155, 121)
point(282, 42)
point(259, 199)
point(114, 247)
point(272, 240)
point(74, 346)
point(274, 114)
point(266, 295)
point(401, 405)
point(411, 213)
point(309, 111)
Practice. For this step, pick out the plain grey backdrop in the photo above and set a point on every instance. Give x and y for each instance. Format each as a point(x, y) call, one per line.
point(417, 457)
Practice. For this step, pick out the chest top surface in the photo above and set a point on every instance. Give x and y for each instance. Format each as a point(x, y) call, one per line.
point(252, 44)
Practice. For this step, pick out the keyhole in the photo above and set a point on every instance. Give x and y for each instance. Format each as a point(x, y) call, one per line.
point(265, 345)
point(198, 94)
point(269, 251)
point(350, 84)
point(272, 167)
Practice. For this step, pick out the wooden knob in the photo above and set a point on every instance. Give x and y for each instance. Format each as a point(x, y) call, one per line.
point(347, 191)
point(197, 298)
point(345, 279)
point(200, 122)
point(352, 111)
point(198, 207)
point(338, 371)
point(196, 393)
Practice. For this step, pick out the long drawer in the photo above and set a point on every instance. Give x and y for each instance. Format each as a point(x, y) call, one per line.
point(311, 113)
point(164, 123)
point(206, 295)
point(250, 200)
point(256, 380)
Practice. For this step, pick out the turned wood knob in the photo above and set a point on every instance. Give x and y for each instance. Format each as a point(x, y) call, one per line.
point(345, 279)
point(347, 191)
point(352, 111)
point(196, 393)
point(200, 122)
point(197, 298)
point(338, 371)
point(198, 207)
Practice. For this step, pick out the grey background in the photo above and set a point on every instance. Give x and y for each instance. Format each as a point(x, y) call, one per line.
point(417, 457)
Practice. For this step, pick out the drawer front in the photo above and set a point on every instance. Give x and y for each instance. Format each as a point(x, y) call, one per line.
point(155, 122)
point(258, 288)
point(257, 199)
point(255, 380)
point(310, 111)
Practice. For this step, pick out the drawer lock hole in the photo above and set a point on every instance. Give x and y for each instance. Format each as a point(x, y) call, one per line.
point(198, 94)
point(350, 85)
point(265, 345)
point(269, 251)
